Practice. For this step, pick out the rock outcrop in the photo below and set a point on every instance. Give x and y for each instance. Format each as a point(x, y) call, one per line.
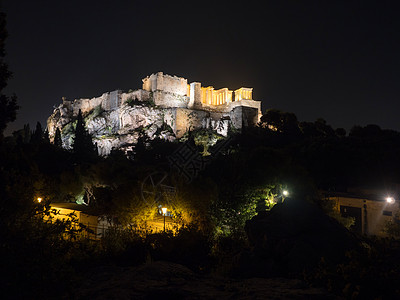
point(114, 129)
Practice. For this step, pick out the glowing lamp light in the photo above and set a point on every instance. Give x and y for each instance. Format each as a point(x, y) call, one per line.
point(285, 193)
point(39, 199)
point(164, 210)
point(390, 200)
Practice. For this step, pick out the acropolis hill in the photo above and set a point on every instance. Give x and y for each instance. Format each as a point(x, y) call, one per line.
point(165, 107)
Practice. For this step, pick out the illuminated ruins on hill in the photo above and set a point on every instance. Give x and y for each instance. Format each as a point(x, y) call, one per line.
point(166, 107)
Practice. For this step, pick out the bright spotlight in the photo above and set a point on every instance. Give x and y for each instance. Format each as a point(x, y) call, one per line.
point(39, 199)
point(390, 200)
point(164, 210)
point(285, 193)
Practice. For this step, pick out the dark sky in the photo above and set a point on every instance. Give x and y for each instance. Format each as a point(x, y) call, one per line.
point(339, 60)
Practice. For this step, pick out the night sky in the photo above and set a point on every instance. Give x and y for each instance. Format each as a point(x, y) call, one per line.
point(338, 60)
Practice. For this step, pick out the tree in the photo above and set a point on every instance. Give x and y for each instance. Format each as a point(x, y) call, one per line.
point(8, 105)
point(325, 129)
point(369, 131)
point(46, 137)
point(27, 134)
point(319, 129)
point(37, 135)
point(57, 138)
point(280, 121)
point(83, 145)
point(340, 132)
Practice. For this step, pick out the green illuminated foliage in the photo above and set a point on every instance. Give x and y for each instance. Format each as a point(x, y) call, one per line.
point(206, 139)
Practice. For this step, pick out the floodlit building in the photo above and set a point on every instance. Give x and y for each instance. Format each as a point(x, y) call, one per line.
point(98, 225)
point(370, 212)
point(78, 213)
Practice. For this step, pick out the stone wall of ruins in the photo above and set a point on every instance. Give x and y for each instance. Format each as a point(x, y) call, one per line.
point(139, 95)
point(168, 91)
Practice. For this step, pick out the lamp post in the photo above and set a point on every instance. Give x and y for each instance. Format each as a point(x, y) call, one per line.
point(164, 211)
point(284, 194)
point(390, 200)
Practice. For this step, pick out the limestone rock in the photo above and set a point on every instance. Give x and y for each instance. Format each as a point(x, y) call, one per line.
point(139, 116)
point(113, 129)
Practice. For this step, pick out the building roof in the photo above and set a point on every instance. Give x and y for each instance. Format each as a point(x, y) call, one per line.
point(72, 206)
point(370, 197)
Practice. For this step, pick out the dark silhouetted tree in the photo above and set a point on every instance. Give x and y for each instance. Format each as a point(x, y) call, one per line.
point(27, 133)
point(37, 135)
point(325, 129)
point(280, 121)
point(341, 132)
point(23, 136)
point(57, 138)
point(318, 129)
point(8, 105)
point(369, 131)
point(83, 145)
point(46, 138)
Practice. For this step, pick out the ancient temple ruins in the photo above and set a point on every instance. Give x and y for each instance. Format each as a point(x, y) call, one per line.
point(166, 107)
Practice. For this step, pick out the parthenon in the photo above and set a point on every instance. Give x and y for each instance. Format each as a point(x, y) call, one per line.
point(211, 96)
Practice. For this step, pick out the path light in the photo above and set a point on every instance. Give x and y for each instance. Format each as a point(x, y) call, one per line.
point(282, 197)
point(390, 200)
point(164, 211)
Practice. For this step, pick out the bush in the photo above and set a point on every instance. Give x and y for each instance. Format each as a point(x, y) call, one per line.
point(370, 274)
point(189, 247)
point(36, 254)
point(124, 246)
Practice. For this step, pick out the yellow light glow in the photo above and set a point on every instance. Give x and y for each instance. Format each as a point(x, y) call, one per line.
point(164, 210)
point(39, 199)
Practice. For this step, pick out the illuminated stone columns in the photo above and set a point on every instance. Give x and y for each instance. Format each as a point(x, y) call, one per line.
point(215, 97)
point(222, 96)
point(244, 94)
point(207, 95)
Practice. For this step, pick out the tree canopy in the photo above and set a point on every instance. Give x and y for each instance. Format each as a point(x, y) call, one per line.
point(8, 104)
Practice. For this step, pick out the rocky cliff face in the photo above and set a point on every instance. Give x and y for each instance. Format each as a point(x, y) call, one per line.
point(118, 128)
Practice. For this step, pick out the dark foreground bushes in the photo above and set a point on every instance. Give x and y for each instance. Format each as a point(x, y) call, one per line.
point(189, 246)
point(37, 263)
point(373, 273)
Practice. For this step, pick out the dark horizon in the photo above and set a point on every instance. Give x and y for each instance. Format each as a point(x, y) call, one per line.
point(337, 61)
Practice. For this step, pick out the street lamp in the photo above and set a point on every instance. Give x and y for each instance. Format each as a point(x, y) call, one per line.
point(390, 200)
point(164, 211)
point(39, 199)
point(285, 193)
